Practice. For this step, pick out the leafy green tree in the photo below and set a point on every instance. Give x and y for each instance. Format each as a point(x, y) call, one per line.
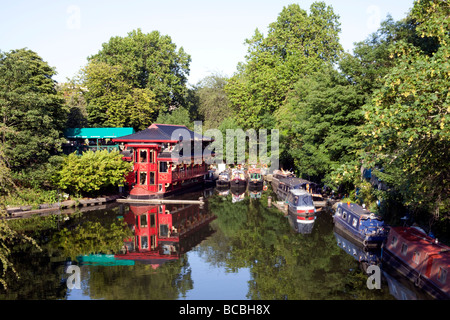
point(320, 121)
point(179, 116)
point(131, 79)
point(32, 113)
point(114, 102)
point(372, 60)
point(296, 44)
point(406, 132)
point(75, 103)
point(213, 102)
point(93, 172)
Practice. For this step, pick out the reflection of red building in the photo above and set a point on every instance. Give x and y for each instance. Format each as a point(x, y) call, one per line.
point(157, 169)
point(163, 232)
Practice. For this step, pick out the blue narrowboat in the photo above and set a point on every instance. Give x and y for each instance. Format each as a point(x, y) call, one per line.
point(360, 224)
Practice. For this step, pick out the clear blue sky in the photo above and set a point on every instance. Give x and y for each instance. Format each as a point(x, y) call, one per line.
point(65, 32)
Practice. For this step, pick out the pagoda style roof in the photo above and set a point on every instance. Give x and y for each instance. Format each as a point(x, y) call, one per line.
point(161, 133)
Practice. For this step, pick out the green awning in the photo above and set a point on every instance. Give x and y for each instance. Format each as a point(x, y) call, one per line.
point(103, 260)
point(97, 133)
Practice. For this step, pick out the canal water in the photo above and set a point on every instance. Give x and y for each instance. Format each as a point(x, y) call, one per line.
point(234, 247)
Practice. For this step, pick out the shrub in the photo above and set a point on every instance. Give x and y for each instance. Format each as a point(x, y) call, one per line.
point(91, 173)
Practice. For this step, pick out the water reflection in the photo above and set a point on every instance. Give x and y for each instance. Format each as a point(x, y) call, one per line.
point(363, 255)
point(399, 287)
point(169, 247)
point(238, 193)
point(302, 226)
point(161, 233)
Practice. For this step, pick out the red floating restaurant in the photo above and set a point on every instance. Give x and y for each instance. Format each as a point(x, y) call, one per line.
point(159, 169)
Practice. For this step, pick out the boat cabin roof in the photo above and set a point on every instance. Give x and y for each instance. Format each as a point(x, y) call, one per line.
point(298, 192)
point(421, 240)
point(357, 210)
point(294, 181)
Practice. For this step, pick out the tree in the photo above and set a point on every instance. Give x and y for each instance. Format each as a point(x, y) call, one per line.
point(75, 103)
point(114, 102)
point(371, 60)
point(213, 104)
point(407, 119)
point(179, 116)
point(320, 122)
point(91, 173)
point(32, 115)
point(296, 44)
point(143, 71)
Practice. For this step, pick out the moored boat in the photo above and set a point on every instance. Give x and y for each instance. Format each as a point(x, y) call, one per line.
point(359, 223)
point(255, 177)
point(420, 258)
point(238, 178)
point(285, 184)
point(223, 179)
point(301, 208)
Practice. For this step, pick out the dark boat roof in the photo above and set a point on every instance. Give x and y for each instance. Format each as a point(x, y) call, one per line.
point(160, 133)
point(294, 181)
point(358, 210)
point(299, 192)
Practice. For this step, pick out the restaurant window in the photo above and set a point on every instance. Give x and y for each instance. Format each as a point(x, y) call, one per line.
point(144, 242)
point(404, 248)
point(164, 230)
point(152, 156)
point(143, 156)
point(442, 275)
point(152, 220)
point(163, 167)
point(152, 178)
point(144, 221)
point(416, 257)
point(143, 178)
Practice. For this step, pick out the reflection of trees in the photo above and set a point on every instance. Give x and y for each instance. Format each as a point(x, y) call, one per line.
point(60, 237)
point(283, 263)
point(40, 275)
point(140, 281)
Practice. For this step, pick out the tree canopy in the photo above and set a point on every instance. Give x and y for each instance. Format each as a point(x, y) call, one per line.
point(406, 131)
point(133, 78)
point(31, 111)
point(297, 43)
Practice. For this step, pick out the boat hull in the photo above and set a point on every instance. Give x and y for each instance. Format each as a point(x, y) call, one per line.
point(223, 183)
point(369, 241)
point(238, 183)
